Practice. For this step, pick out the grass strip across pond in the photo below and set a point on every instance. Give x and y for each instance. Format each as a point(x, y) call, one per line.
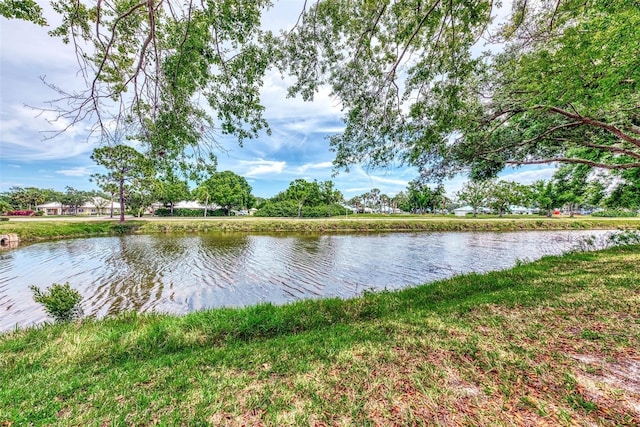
point(553, 342)
point(46, 229)
point(33, 230)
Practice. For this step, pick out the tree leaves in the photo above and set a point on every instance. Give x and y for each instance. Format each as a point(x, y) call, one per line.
point(27, 10)
point(228, 190)
point(560, 81)
point(564, 79)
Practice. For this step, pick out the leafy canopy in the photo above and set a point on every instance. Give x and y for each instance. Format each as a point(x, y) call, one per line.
point(560, 85)
point(559, 82)
point(173, 75)
point(227, 189)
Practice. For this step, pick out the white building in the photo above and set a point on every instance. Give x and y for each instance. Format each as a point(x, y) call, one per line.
point(463, 211)
point(93, 206)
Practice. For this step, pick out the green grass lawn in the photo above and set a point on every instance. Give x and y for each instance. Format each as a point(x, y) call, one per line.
point(553, 342)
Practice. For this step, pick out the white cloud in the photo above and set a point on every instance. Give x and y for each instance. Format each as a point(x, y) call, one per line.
point(356, 190)
point(43, 52)
point(321, 165)
point(76, 171)
point(324, 124)
point(23, 138)
point(384, 180)
point(279, 107)
point(261, 167)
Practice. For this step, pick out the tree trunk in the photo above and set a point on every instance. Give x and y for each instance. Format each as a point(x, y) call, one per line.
point(121, 196)
point(206, 205)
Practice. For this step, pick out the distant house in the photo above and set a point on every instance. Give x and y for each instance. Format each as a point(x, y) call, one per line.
point(51, 208)
point(463, 211)
point(521, 210)
point(350, 208)
point(94, 206)
point(190, 204)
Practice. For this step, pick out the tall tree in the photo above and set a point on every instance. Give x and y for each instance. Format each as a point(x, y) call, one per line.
point(556, 95)
point(169, 190)
point(110, 188)
point(30, 197)
point(228, 190)
point(626, 193)
point(330, 194)
point(439, 199)
point(560, 86)
point(302, 191)
point(476, 194)
point(545, 196)
point(127, 168)
point(203, 194)
point(374, 197)
point(401, 201)
point(571, 184)
point(420, 196)
point(502, 194)
point(74, 198)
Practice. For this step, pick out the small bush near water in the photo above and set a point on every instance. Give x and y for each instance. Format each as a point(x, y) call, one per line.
point(60, 301)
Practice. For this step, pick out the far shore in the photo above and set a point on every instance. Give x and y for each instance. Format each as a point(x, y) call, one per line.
point(33, 229)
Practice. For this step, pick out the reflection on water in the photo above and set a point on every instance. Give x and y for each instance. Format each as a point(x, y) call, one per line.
point(182, 273)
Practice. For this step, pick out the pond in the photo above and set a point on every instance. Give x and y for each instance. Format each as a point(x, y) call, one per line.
point(182, 273)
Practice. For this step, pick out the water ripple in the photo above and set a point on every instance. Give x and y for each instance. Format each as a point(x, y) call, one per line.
point(182, 273)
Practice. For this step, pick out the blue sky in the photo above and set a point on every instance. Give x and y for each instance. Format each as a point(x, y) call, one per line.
point(297, 148)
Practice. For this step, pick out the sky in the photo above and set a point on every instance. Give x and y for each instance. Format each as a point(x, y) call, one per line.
point(297, 148)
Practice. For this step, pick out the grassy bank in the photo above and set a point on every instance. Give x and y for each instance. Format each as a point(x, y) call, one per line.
point(41, 229)
point(33, 230)
point(554, 342)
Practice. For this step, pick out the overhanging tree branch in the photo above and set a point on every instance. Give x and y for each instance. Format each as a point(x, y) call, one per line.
point(573, 160)
point(593, 122)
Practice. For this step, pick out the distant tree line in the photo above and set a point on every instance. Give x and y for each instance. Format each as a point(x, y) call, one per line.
point(138, 190)
point(27, 198)
point(572, 188)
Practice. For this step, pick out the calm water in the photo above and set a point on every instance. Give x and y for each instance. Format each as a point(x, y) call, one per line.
point(182, 273)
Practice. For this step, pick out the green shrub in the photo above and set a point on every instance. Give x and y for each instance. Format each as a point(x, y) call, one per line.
point(615, 213)
point(286, 208)
point(60, 301)
point(289, 208)
point(184, 212)
point(4, 218)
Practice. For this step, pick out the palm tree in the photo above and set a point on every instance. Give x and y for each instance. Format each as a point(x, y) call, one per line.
point(203, 193)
